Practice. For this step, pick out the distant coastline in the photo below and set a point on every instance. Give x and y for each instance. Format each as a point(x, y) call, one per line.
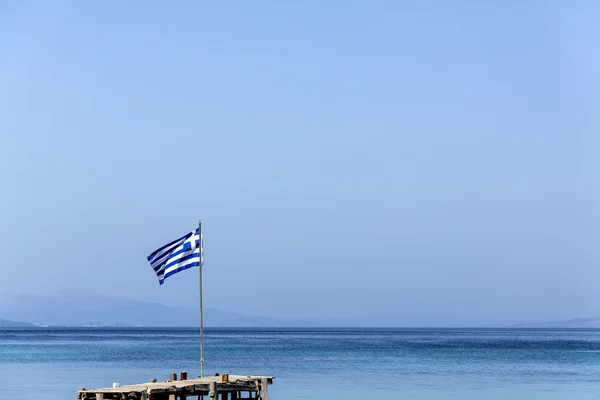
point(577, 323)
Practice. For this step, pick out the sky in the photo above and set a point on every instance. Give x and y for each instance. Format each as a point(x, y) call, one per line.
point(347, 158)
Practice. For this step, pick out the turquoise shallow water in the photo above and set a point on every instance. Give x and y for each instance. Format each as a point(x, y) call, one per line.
point(313, 364)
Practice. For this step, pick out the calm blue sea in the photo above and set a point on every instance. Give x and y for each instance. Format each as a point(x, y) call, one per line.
point(312, 364)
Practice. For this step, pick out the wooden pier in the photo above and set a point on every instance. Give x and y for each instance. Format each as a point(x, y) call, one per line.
point(221, 386)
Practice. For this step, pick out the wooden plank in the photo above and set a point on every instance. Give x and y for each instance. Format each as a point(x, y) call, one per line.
point(236, 386)
point(212, 393)
point(264, 389)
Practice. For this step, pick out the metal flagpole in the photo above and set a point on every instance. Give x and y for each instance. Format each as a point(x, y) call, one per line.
point(201, 310)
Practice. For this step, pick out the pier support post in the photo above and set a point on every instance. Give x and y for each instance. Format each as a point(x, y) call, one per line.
point(212, 391)
point(264, 389)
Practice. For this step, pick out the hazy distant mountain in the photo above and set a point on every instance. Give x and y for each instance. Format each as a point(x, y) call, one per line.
point(95, 310)
point(4, 323)
point(99, 310)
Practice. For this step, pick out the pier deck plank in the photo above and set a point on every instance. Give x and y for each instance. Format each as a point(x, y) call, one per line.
point(190, 387)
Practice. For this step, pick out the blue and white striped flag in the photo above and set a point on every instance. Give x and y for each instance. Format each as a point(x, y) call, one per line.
point(181, 254)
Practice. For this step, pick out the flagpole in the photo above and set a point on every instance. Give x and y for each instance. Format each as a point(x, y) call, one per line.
point(201, 309)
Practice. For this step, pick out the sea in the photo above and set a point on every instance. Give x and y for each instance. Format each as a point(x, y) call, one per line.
point(315, 364)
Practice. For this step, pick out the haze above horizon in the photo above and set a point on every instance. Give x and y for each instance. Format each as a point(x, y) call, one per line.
point(347, 158)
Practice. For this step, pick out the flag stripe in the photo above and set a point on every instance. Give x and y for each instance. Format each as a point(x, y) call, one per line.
point(186, 260)
point(167, 245)
point(179, 255)
point(173, 252)
point(168, 274)
point(166, 251)
point(181, 258)
point(165, 258)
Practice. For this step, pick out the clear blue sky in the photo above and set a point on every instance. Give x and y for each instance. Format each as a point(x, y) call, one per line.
point(346, 157)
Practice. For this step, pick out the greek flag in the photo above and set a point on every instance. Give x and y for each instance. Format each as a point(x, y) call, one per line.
point(183, 253)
